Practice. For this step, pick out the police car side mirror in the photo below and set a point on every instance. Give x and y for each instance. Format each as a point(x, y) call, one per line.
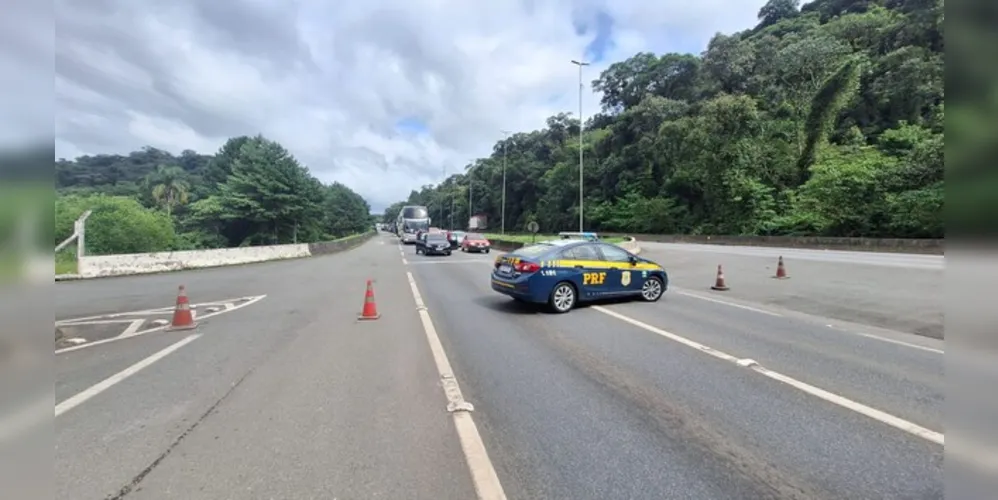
point(633, 260)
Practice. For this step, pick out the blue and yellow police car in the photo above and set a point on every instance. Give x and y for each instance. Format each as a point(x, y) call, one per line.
point(562, 273)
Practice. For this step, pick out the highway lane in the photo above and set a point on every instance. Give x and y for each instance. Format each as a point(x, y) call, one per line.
point(291, 397)
point(887, 259)
point(586, 405)
point(288, 398)
point(902, 292)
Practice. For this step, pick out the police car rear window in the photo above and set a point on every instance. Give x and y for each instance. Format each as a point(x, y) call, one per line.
point(581, 252)
point(534, 250)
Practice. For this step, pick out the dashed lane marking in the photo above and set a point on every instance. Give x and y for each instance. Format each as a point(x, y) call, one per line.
point(875, 414)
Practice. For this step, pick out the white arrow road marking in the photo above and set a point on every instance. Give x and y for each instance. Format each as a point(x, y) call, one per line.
point(249, 301)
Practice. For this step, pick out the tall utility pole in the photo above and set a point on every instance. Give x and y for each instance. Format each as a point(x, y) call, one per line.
point(505, 140)
point(471, 212)
point(580, 64)
point(444, 170)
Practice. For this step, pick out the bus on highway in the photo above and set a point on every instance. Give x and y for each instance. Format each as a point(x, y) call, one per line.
point(412, 219)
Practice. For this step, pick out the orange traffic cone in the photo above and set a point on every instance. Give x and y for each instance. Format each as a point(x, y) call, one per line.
point(719, 282)
point(183, 319)
point(370, 306)
point(781, 271)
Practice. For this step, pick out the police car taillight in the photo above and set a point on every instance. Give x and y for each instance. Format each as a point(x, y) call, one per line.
point(527, 267)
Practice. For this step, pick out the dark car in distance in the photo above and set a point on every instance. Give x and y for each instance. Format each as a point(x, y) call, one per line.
point(433, 244)
point(455, 238)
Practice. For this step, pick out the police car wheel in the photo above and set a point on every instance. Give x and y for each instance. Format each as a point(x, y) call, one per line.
point(562, 297)
point(651, 291)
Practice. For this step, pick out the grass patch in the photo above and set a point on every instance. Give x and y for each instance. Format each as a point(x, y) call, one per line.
point(65, 261)
point(527, 238)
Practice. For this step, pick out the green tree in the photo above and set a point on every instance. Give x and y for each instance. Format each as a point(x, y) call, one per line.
point(118, 224)
point(169, 187)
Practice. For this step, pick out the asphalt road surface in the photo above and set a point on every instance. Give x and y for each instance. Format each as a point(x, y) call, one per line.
point(902, 292)
point(292, 397)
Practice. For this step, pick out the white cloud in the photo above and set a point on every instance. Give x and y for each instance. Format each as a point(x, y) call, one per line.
point(330, 80)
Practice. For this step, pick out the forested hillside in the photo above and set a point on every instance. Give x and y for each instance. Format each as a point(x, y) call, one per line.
point(822, 120)
point(252, 192)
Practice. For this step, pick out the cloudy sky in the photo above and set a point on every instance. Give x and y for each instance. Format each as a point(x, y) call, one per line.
point(381, 95)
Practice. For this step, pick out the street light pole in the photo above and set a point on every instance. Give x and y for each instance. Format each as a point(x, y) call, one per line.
point(580, 64)
point(444, 169)
point(470, 169)
point(505, 133)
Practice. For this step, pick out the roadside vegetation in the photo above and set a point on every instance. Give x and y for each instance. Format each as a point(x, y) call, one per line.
point(825, 119)
point(252, 192)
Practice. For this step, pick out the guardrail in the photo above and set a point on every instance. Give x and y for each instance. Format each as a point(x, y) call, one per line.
point(100, 266)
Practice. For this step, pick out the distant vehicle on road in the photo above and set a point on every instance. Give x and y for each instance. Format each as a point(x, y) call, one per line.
point(412, 219)
point(455, 238)
point(477, 223)
point(475, 242)
point(433, 244)
point(562, 273)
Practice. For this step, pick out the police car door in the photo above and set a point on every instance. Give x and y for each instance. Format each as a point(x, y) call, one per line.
point(592, 274)
point(622, 277)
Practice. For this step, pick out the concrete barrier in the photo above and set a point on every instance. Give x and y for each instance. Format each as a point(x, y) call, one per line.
point(934, 246)
point(631, 245)
point(340, 245)
point(100, 266)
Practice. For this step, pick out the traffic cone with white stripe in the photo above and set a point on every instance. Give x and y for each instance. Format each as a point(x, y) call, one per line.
point(370, 310)
point(719, 284)
point(183, 318)
point(781, 271)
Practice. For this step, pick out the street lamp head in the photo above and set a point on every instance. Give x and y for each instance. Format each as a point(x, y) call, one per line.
point(579, 63)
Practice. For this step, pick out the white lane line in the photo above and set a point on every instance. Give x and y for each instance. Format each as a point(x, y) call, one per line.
point(886, 418)
point(897, 342)
point(252, 300)
point(483, 474)
point(771, 313)
point(109, 382)
point(732, 304)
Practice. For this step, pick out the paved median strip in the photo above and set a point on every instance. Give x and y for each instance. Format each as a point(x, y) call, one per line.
point(880, 416)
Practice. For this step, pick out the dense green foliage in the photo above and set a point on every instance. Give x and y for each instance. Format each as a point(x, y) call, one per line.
point(252, 192)
point(824, 120)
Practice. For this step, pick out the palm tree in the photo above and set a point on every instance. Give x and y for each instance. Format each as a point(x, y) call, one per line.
point(169, 187)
